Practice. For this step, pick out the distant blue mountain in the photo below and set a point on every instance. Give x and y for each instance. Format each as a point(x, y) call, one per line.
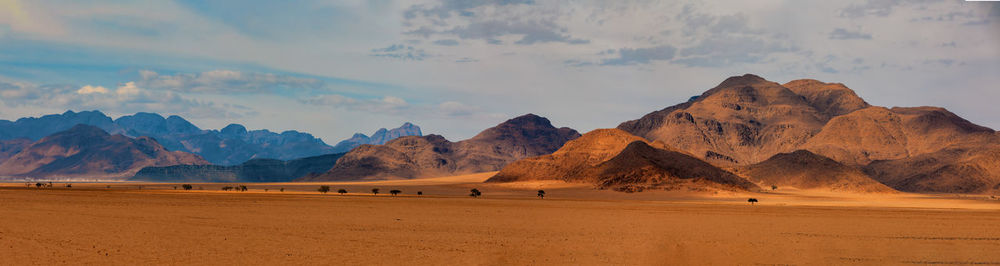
point(231, 145)
point(380, 137)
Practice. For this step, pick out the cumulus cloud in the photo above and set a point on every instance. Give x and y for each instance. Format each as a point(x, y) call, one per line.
point(225, 81)
point(843, 34)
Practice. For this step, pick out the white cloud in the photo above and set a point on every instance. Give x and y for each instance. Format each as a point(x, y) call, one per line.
point(88, 89)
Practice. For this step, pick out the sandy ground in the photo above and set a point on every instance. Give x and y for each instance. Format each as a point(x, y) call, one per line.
point(574, 225)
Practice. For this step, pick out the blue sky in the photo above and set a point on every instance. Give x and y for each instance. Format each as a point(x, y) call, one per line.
point(453, 67)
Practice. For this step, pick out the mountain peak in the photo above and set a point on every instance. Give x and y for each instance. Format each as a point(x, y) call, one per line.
point(234, 129)
point(746, 79)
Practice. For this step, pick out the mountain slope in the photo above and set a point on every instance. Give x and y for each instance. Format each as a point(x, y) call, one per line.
point(612, 158)
point(806, 170)
point(433, 155)
point(960, 168)
point(256, 170)
point(88, 151)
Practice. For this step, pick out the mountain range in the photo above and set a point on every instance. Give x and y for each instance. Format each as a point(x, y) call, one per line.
point(85, 151)
point(433, 155)
point(745, 134)
point(231, 145)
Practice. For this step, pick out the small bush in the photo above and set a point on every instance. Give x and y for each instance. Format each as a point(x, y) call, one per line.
point(227, 188)
point(475, 193)
point(541, 193)
point(324, 189)
point(69, 185)
point(342, 191)
point(375, 191)
point(419, 193)
point(282, 190)
point(187, 186)
point(395, 192)
point(752, 201)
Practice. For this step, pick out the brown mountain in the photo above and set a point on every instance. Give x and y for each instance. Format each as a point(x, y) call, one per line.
point(433, 155)
point(611, 158)
point(88, 151)
point(743, 120)
point(878, 133)
point(746, 119)
point(960, 168)
point(806, 170)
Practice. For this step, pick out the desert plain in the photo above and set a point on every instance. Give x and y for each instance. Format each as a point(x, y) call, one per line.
point(121, 224)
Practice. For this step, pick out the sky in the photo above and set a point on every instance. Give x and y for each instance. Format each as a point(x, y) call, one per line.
point(456, 67)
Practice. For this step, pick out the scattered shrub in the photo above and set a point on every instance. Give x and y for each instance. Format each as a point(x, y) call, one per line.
point(69, 185)
point(375, 191)
point(395, 192)
point(282, 190)
point(752, 201)
point(324, 189)
point(419, 193)
point(227, 188)
point(475, 193)
point(541, 193)
point(187, 186)
point(342, 191)
point(773, 187)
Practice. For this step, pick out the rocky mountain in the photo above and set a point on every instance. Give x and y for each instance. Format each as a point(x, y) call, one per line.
point(806, 170)
point(231, 145)
point(255, 170)
point(615, 159)
point(746, 120)
point(381, 136)
point(433, 155)
point(85, 151)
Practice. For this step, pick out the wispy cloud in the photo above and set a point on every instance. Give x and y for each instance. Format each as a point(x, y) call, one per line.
point(225, 81)
point(401, 52)
point(843, 34)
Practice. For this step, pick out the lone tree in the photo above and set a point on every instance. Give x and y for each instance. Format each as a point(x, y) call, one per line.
point(773, 187)
point(187, 186)
point(541, 193)
point(342, 191)
point(394, 192)
point(475, 193)
point(324, 189)
point(752, 201)
point(420, 193)
point(375, 191)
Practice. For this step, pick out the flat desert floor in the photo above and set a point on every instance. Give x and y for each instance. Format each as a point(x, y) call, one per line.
point(120, 224)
